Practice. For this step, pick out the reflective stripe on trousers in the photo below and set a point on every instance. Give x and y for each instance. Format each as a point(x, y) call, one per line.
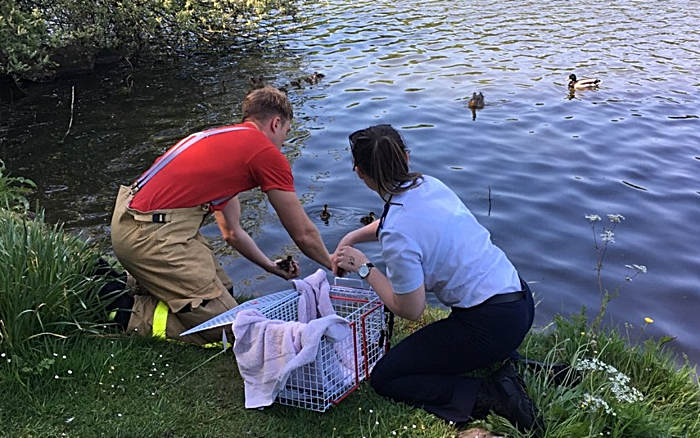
point(160, 325)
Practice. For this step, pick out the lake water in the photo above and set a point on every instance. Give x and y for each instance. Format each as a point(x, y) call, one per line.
point(530, 166)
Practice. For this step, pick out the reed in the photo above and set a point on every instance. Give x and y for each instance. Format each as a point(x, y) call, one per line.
point(46, 290)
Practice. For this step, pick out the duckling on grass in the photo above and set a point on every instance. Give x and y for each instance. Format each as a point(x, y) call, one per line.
point(582, 84)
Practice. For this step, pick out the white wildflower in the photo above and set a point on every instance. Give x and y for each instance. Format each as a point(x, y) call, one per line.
point(616, 218)
point(619, 382)
point(593, 403)
point(592, 217)
point(608, 236)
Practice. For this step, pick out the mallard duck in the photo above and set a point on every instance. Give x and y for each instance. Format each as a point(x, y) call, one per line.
point(325, 214)
point(582, 84)
point(366, 220)
point(295, 83)
point(477, 101)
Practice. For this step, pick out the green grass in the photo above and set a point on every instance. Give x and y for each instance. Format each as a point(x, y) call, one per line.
point(116, 386)
point(135, 387)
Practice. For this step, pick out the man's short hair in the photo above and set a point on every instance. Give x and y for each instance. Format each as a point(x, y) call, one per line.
point(264, 103)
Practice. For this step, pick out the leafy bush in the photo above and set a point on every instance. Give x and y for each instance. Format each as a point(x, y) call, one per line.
point(32, 30)
point(13, 191)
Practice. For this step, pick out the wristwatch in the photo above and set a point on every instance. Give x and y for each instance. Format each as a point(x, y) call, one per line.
point(365, 269)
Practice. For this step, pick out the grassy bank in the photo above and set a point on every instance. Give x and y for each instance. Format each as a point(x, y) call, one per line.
point(114, 386)
point(63, 372)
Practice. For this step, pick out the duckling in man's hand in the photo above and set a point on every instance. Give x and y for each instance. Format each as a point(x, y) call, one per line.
point(325, 214)
point(285, 264)
point(366, 220)
point(582, 84)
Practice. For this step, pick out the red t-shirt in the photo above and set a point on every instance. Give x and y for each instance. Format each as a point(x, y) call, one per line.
point(218, 166)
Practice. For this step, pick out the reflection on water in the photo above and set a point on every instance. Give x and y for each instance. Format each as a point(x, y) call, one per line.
point(530, 166)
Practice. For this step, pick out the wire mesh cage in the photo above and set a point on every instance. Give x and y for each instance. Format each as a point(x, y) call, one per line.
point(339, 367)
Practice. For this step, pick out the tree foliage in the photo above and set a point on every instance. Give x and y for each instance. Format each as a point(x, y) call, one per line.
point(34, 33)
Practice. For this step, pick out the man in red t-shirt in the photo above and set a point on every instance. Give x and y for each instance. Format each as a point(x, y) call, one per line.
point(156, 221)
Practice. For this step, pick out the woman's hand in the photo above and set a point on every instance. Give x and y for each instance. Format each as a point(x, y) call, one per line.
point(348, 259)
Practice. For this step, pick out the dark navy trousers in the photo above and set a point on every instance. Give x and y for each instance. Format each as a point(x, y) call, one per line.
point(426, 369)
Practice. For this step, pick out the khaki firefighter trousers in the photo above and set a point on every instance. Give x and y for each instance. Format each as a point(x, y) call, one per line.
point(174, 266)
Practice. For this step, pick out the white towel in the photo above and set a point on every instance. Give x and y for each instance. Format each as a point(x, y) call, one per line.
point(268, 350)
point(314, 301)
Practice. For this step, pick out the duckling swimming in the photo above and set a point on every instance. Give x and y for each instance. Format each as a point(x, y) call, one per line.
point(366, 220)
point(582, 84)
point(325, 214)
point(312, 79)
point(317, 77)
point(257, 82)
point(477, 101)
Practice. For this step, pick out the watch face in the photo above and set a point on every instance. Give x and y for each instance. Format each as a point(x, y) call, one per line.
point(363, 271)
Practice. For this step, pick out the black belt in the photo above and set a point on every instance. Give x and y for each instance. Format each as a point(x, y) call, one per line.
point(188, 307)
point(510, 297)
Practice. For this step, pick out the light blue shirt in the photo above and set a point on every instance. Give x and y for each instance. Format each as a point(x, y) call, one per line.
point(433, 238)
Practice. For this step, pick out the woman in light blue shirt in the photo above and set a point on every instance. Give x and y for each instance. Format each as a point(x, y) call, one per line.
point(445, 251)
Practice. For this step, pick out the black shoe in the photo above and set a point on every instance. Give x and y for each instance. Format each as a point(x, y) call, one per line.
point(503, 393)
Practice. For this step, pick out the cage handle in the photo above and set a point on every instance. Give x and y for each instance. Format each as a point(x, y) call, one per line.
point(349, 282)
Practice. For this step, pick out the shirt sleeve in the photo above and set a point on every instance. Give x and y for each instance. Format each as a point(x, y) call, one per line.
point(271, 170)
point(402, 257)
